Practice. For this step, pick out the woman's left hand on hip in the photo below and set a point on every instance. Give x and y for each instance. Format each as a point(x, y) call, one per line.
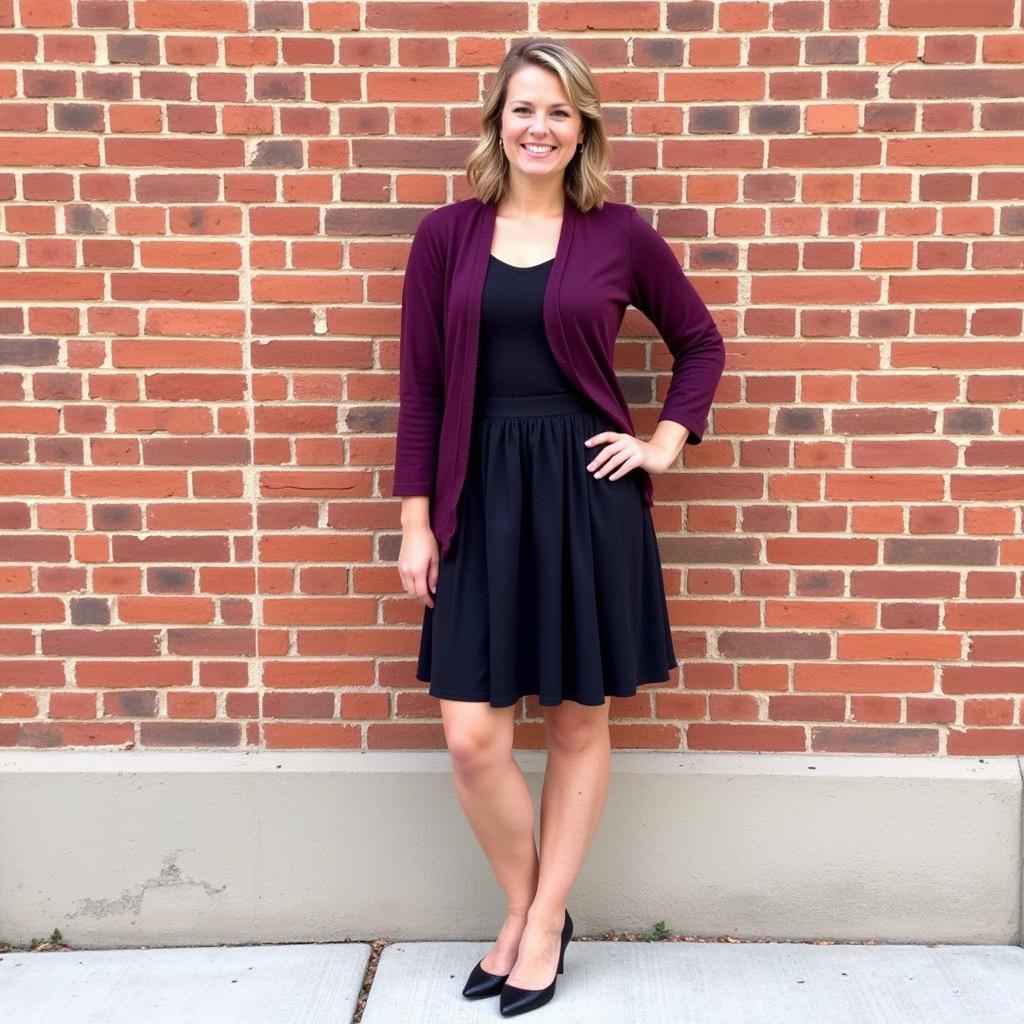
point(624, 452)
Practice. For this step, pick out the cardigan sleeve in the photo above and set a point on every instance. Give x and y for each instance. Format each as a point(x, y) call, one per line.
point(662, 292)
point(421, 365)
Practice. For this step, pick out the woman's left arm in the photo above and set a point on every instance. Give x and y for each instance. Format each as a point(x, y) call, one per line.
point(660, 290)
point(663, 293)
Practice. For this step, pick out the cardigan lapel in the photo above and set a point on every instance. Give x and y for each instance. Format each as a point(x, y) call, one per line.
point(552, 313)
point(552, 316)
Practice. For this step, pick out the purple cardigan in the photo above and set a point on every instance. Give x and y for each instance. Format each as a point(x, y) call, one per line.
point(606, 259)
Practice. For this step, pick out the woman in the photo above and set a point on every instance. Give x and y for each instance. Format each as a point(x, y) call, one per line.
point(526, 524)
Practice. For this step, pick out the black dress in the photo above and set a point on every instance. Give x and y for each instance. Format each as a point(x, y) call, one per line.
point(552, 584)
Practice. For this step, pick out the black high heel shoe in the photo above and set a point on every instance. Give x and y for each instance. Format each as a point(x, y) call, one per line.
point(481, 983)
point(519, 1000)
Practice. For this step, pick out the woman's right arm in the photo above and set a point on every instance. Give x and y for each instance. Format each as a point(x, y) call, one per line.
point(421, 408)
point(418, 560)
point(421, 365)
point(415, 510)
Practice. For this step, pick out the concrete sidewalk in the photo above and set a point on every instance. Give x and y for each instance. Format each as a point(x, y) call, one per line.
point(604, 983)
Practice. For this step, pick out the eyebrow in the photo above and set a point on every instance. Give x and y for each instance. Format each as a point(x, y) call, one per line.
point(529, 104)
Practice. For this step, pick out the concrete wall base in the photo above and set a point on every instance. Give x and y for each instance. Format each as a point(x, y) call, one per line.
point(167, 848)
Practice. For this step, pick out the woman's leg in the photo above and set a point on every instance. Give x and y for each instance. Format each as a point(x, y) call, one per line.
point(575, 786)
point(498, 805)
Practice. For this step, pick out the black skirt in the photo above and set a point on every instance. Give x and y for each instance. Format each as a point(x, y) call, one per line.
point(553, 583)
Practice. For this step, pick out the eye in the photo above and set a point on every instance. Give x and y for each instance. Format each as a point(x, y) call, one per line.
point(517, 110)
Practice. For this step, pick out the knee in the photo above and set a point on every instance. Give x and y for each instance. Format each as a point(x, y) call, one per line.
point(471, 751)
point(572, 737)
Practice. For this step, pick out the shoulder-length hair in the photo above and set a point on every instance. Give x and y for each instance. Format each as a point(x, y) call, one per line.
point(586, 180)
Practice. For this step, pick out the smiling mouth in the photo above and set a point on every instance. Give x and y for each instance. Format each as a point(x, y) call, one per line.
point(547, 150)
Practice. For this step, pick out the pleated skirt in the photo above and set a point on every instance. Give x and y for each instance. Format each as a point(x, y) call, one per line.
point(553, 584)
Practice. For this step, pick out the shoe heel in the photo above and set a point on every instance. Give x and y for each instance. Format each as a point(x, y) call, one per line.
point(567, 930)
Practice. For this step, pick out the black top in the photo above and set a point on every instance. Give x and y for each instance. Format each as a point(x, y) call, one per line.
point(515, 357)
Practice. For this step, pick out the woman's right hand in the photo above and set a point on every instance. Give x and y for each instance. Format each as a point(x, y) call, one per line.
point(418, 563)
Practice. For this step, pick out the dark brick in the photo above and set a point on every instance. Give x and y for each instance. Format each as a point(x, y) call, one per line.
point(684, 223)
point(283, 86)
point(134, 49)
point(12, 318)
point(14, 515)
point(131, 704)
point(1011, 220)
point(28, 352)
point(37, 734)
point(885, 324)
point(13, 451)
point(375, 220)
point(660, 52)
point(714, 120)
point(950, 49)
point(865, 739)
point(191, 734)
point(103, 14)
point(954, 83)
point(85, 220)
point(639, 390)
point(273, 14)
point(775, 119)
point(367, 419)
point(967, 421)
point(693, 550)
point(116, 517)
point(695, 16)
point(105, 85)
point(769, 187)
point(57, 387)
point(60, 451)
point(946, 188)
point(780, 646)
point(90, 611)
point(889, 117)
point(78, 117)
point(278, 153)
point(724, 257)
point(889, 422)
point(799, 421)
point(831, 50)
point(170, 580)
point(798, 15)
point(939, 551)
point(217, 641)
point(48, 84)
point(1002, 116)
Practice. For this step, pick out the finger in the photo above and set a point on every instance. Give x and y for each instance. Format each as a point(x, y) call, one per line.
point(605, 435)
point(626, 467)
point(609, 465)
point(610, 451)
point(603, 455)
point(623, 462)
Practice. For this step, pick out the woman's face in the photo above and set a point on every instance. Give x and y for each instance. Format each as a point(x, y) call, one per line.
point(537, 111)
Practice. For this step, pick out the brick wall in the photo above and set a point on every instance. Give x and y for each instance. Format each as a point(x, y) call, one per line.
point(207, 207)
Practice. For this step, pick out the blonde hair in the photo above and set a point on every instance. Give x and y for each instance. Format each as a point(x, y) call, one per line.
point(586, 175)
